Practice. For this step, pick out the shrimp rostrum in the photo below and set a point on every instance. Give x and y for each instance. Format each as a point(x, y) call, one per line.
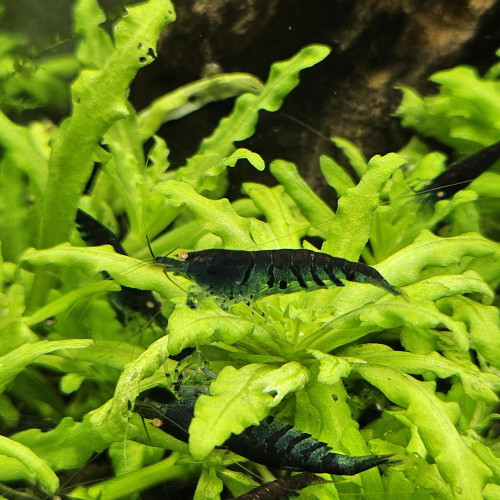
point(239, 275)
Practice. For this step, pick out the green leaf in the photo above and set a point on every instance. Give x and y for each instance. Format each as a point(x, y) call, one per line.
point(322, 411)
point(356, 208)
point(429, 167)
point(463, 114)
point(110, 353)
point(238, 399)
point(203, 325)
point(15, 333)
point(240, 125)
point(21, 150)
point(15, 215)
point(476, 97)
point(486, 455)
point(386, 315)
point(9, 414)
point(216, 417)
point(217, 216)
point(129, 456)
point(437, 287)
point(46, 82)
point(213, 175)
point(237, 483)
point(429, 251)
point(38, 393)
point(195, 95)
point(335, 175)
point(95, 46)
point(124, 170)
point(476, 383)
point(99, 100)
point(209, 485)
point(93, 260)
point(112, 420)
point(165, 471)
point(331, 368)
point(315, 209)
point(71, 383)
point(491, 492)
point(243, 153)
point(357, 160)
point(483, 325)
point(14, 362)
point(113, 417)
point(71, 298)
point(68, 446)
point(37, 468)
point(282, 229)
point(458, 465)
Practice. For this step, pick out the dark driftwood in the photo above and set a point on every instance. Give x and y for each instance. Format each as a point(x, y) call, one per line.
point(376, 45)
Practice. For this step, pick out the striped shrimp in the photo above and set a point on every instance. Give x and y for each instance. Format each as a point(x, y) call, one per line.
point(270, 443)
point(281, 489)
point(461, 174)
point(239, 275)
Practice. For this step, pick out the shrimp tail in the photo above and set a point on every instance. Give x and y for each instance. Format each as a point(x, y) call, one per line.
point(360, 273)
point(95, 233)
point(275, 444)
point(372, 276)
point(354, 465)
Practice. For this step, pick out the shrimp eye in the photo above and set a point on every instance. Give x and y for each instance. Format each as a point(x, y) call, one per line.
point(157, 422)
point(183, 255)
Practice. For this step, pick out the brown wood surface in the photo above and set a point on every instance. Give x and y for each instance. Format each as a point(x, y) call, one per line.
point(376, 45)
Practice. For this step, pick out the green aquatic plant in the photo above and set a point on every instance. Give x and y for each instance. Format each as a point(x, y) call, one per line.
point(415, 376)
point(31, 79)
point(463, 115)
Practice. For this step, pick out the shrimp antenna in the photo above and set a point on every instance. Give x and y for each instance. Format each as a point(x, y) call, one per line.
point(306, 126)
point(150, 248)
point(145, 428)
point(174, 283)
point(154, 257)
point(148, 241)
